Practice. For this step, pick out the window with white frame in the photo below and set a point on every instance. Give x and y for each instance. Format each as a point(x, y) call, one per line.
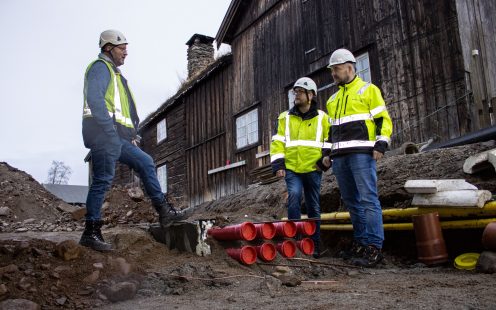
point(291, 98)
point(363, 67)
point(162, 177)
point(247, 129)
point(161, 130)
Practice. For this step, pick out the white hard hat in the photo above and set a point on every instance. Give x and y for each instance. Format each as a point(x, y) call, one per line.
point(114, 37)
point(306, 83)
point(341, 56)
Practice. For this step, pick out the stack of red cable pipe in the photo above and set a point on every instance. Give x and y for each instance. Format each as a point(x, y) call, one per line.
point(247, 231)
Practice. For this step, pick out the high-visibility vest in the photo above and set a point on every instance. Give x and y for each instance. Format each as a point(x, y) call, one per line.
point(116, 97)
point(300, 141)
point(358, 118)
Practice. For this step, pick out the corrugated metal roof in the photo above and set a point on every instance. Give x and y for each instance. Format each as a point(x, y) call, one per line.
point(68, 193)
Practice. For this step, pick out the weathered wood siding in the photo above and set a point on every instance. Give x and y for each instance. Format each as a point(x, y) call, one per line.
point(210, 142)
point(170, 151)
point(414, 51)
point(418, 58)
point(477, 26)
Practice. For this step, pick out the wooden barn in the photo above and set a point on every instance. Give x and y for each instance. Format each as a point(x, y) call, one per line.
point(433, 60)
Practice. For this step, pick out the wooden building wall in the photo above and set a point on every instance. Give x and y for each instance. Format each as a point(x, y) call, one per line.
point(170, 151)
point(477, 28)
point(416, 58)
point(209, 127)
point(414, 51)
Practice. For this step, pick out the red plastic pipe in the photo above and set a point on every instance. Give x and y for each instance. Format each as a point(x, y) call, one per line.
point(246, 255)
point(244, 231)
point(265, 230)
point(287, 248)
point(306, 228)
point(266, 252)
point(285, 229)
point(306, 246)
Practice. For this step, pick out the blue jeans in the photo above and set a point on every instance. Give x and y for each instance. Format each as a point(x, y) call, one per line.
point(309, 183)
point(357, 180)
point(104, 155)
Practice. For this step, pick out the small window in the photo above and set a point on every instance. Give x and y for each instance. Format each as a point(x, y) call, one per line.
point(291, 98)
point(161, 130)
point(363, 67)
point(247, 129)
point(162, 177)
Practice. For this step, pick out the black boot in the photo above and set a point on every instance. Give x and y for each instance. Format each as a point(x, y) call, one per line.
point(356, 250)
point(92, 237)
point(371, 257)
point(167, 214)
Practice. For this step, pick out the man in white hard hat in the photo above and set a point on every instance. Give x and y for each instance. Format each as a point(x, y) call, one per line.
point(110, 123)
point(360, 133)
point(296, 152)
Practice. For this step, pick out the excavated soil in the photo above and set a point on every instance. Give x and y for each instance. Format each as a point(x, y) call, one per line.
point(158, 278)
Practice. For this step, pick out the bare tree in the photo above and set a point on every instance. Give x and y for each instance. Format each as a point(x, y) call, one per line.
point(59, 173)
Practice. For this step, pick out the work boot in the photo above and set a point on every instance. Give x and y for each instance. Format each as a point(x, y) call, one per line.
point(167, 214)
point(92, 237)
point(98, 230)
point(355, 251)
point(371, 257)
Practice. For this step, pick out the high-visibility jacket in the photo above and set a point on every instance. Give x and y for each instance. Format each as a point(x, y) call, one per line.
point(116, 98)
point(299, 141)
point(359, 119)
point(109, 106)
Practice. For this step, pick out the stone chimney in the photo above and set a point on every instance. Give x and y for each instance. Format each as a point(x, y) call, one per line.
point(200, 53)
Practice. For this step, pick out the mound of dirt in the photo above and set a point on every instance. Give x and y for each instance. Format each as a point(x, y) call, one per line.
point(25, 197)
point(265, 202)
point(125, 205)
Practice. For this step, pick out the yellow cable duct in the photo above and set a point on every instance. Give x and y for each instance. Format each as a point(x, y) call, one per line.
point(489, 209)
point(462, 224)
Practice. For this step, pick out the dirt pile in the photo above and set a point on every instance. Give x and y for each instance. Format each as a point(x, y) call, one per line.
point(25, 197)
point(35, 264)
point(268, 201)
point(127, 205)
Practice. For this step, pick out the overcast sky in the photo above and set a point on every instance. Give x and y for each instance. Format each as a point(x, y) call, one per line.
point(46, 47)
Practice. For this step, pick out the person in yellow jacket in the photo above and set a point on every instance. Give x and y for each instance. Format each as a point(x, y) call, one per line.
point(110, 124)
point(296, 152)
point(360, 132)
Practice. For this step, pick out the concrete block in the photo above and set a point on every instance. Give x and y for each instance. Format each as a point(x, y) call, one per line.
point(184, 236)
point(77, 213)
point(486, 262)
point(478, 162)
point(491, 157)
point(462, 198)
point(434, 186)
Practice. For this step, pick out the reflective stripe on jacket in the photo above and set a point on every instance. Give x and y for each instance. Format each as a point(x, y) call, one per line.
point(116, 98)
point(299, 140)
point(359, 119)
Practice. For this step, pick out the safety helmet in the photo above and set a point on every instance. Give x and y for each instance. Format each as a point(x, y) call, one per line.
point(341, 56)
point(306, 83)
point(114, 37)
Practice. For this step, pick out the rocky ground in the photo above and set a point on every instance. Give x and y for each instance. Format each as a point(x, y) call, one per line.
point(41, 265)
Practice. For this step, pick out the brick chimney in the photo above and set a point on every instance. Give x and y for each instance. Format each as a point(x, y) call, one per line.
point(200, 53)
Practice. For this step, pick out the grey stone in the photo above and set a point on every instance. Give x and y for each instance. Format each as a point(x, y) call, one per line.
point(288, 280)
point(19, 304)
point(486, 262)
point(121, 291)
point(4, 211)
